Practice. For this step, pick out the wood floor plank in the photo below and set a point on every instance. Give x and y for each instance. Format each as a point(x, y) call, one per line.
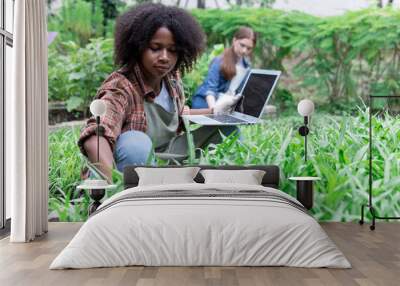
point(313, 282)
point(375, 258)
point(131, 276)
point(146, 282)
point(212, 272)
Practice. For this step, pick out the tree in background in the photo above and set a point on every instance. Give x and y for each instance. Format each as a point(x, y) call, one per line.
point(380, 3)
point(243, 3)
point(81, 20)
point(77, 21)
point(110, 9)
point(202, 4)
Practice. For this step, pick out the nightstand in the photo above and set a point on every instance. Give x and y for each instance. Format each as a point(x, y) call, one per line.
point(304, 189)
point(97, 190)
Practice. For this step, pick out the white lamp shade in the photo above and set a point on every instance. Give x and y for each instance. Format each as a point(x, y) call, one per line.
point(98, 107)
point(305, 107)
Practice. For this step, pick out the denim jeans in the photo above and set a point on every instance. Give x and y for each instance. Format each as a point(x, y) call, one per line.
point(135, 147)
point(132, 148)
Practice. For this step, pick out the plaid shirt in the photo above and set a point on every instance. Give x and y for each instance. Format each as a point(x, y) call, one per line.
point(124, 93)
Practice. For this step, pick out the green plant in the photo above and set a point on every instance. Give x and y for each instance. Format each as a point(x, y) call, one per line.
point(284, 99)
point(65, 161)
point(70, 206)
point(75, 77)
point(65, 165)
point(335, 60)
point(57, 75)
point(77, 21)
point(337, 153)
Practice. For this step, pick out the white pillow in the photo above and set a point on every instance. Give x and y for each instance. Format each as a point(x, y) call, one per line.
point(248, 177)
point(166, 176)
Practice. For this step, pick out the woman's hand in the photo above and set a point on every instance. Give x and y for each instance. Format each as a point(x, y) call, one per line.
point(210, 101)
point(186, 110)
point(225, 103)
point(105, 163)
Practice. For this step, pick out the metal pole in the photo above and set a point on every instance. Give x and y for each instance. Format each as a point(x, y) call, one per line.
point(305, 137)
point(305, 148)
point(370, 207)
point(98, 138)
point(370, 151)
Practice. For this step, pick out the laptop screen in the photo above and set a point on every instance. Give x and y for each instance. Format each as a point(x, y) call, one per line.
point(255, 93)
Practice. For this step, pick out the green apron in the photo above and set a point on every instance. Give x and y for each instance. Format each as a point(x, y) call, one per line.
point(161, 124)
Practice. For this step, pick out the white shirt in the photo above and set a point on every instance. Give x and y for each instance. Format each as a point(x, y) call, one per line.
point(164, 99)
point(238, 78)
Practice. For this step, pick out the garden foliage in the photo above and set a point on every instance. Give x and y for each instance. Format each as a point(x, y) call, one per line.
point(338, 149)
point(336, 60)
point(75, 76)
point(78, 21)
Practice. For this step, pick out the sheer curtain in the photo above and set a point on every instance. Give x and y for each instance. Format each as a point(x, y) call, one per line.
point(26, 124)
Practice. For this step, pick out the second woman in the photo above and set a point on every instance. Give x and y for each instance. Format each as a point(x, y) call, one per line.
point(227, 72)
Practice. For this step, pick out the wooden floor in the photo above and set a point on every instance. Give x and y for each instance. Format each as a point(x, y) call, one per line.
point(374, 255)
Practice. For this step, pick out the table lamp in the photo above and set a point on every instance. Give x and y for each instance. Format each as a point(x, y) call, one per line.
point(98, 108)
point(97, 188)
point(305, 109)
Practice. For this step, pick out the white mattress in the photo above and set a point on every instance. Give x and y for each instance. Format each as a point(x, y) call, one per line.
point(183, 231)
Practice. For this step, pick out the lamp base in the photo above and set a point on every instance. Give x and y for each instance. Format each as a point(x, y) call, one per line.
point(305, 193)
point(93, 207)
point(96, 195)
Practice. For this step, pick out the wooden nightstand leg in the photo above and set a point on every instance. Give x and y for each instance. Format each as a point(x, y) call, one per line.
point(96, 195)
point(305, 193)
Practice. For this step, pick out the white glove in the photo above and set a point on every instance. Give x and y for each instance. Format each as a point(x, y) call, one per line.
point(225, 103)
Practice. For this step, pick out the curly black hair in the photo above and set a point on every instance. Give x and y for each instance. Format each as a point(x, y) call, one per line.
point(136, 27)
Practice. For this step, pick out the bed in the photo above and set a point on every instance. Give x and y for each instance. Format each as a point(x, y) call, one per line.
point(201, 224)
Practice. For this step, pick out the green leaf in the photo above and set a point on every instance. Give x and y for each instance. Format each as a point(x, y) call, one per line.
point(76, 76)
point(73, 103)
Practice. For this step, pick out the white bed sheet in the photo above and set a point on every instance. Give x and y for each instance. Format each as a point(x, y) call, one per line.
point(200, 231)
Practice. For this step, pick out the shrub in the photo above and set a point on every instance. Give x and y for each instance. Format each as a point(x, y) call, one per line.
point(334, 59)
point(78, 21)
point(75, 77)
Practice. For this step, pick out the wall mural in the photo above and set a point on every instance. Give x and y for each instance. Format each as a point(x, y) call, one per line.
point(155, 105)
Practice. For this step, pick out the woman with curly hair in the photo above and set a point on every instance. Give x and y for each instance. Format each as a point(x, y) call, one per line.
point(154, 44)
point(226, 72)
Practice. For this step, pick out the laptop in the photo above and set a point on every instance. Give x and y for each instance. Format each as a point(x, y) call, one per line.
point(255, 94)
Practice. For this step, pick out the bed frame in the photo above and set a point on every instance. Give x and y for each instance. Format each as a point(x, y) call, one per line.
point(270, 179)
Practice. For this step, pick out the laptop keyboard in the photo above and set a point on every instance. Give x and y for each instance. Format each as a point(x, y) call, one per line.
point(224, 118)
